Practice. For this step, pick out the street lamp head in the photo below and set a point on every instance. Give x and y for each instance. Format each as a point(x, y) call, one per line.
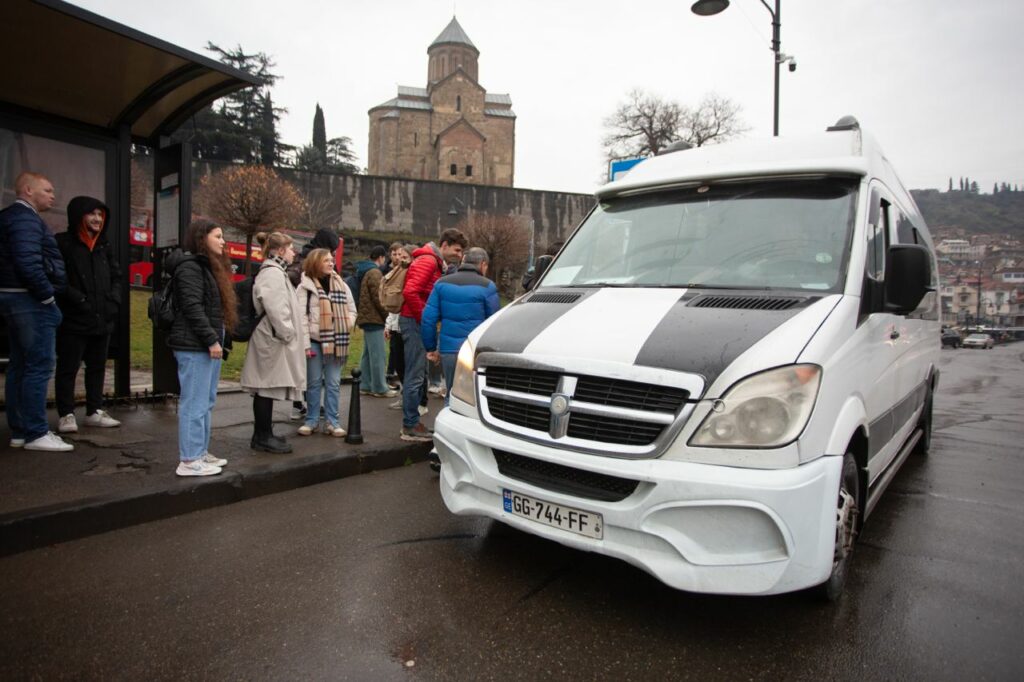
point(707, 8)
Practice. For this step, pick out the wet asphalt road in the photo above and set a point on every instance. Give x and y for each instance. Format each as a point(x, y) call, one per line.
point(370, 578)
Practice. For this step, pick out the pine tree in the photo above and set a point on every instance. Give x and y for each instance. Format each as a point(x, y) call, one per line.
point(950, 184)
point(320, 130)
point(961, 184)
point(268, 133)
point(995, 188)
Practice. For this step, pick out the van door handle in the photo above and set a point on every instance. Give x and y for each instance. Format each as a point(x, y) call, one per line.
point(894, 334)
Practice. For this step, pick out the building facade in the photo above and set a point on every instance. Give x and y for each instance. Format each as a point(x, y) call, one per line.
point(452, 130)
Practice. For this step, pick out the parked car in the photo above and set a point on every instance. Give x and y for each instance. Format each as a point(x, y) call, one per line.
point(706, 382)
point(979, 341)
point(951, 338)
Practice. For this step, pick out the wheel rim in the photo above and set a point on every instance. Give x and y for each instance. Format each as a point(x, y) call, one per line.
point(846, 525)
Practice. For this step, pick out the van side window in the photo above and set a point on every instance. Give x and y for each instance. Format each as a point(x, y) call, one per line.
point(905, 231)
point(878, 243)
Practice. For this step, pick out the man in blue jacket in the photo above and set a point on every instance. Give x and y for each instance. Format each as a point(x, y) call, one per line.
point(460, 302)
point(31, 274)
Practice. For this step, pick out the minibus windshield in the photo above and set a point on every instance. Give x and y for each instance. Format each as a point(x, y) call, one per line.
point(767, 235)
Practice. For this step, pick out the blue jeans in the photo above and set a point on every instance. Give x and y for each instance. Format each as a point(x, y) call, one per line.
point(414, 384)
point(32, 332)
point(448, 367)
point(198, 374)
point(373, 361)
point(323, 376)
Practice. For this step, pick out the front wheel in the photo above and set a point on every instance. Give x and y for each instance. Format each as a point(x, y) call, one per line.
point(847, 514)
point(924, 443)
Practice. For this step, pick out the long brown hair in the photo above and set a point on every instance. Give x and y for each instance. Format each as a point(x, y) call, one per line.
point(195, 242)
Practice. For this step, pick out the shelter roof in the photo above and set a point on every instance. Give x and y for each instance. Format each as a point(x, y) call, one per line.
point(65, 61)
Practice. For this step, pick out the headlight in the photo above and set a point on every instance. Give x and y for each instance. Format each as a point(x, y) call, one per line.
point(766, 410)
point(463, 386)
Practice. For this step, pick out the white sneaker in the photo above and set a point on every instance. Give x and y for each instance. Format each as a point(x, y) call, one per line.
point(422, 410)
point(298, 413)
point(17, 442)
point(335, 431)
point(197, 468)
point(100, 419)
point(305, 430)
point(51, 442)
point(67, 424)
point(397, 405)
point(213, 461)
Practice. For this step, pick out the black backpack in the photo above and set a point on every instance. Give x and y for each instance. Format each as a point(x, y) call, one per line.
point(161, 307)
point(248, 319)
point(354, 282)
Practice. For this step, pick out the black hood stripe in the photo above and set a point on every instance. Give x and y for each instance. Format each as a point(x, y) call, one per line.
point(521, 322)
point(705, 341)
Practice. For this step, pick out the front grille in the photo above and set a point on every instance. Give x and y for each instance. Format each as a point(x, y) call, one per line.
point(522, 380)
point(616, 428)
point(747, 302)
point(563, 479)
point(630, 394)
point(609, 430)
point(520, 414)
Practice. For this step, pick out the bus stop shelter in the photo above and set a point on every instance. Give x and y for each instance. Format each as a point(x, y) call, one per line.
point(76, 92)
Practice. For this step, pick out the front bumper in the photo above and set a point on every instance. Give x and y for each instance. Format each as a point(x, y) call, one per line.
point(695, 527)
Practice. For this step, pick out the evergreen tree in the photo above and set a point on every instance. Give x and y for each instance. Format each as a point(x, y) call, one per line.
point(961, 184)
point(268, 134)
point(243, 125)
point(950, 184)
point(995, 188)
point(320, 131)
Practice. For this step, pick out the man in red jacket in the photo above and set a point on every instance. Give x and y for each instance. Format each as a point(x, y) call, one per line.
point(428, 265)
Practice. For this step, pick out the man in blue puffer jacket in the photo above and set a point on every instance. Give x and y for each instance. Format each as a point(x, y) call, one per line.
point(460, 302)
point(31, 275)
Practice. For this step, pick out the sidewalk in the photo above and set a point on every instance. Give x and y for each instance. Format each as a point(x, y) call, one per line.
point(123, 476)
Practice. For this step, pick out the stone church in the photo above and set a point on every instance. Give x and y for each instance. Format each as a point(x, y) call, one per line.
point(453, 129)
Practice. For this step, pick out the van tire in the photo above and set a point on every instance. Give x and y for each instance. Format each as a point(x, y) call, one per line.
point(924, 443)
point(847, 519)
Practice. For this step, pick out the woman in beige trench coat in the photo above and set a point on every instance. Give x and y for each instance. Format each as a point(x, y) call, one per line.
point(275, 361)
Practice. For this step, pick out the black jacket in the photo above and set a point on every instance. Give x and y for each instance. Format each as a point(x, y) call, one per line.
point(93, 295)
point(199, 319)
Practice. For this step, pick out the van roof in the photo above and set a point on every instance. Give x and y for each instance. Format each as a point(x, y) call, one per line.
point(839, 152)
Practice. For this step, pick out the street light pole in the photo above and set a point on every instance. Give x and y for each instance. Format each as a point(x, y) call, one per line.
point(707, 8)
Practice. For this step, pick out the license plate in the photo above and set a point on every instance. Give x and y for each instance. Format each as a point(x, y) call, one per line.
point(555, 515)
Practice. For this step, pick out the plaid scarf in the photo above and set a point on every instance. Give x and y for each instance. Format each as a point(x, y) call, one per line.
point(333, 319)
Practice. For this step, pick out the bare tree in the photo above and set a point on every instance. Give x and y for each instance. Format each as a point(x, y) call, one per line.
point(715, 119)
point(645, 124)
point(507, 242)
point(250, 199)
point(642, 125)
point(320, 212)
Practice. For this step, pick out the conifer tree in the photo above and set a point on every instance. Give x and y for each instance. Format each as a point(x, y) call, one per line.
point(320, 131)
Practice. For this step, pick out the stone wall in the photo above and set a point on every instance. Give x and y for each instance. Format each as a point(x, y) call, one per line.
point(423, 208)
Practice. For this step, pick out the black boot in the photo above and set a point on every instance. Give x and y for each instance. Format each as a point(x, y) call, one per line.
point(272, 444)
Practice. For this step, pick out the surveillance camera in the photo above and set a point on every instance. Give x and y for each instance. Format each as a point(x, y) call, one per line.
point(792, 65)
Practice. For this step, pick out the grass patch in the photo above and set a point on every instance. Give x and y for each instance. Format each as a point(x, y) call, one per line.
point(142, 342)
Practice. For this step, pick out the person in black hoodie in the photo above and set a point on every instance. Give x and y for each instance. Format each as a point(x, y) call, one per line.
point(204, 298)
point(89, 304)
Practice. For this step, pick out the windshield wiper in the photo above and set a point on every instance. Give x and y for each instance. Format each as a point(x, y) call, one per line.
point(737, 287)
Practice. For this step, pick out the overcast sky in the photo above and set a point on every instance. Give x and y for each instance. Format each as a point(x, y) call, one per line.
point(935, 81)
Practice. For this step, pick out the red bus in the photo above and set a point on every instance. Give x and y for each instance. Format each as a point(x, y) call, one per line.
point(140, 265)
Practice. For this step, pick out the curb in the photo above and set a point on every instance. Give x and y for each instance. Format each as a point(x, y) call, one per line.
point(33, 528)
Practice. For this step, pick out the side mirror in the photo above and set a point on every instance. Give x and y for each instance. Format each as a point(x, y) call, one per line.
point(533, 275)
point(908, 277)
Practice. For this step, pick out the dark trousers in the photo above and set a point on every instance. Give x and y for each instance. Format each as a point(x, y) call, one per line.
point(72, 349)
point(396, 358)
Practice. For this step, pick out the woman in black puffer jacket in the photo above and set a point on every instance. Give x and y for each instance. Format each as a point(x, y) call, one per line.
point(204, 300)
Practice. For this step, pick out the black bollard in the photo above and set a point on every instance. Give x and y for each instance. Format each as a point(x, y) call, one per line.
point(355, 429)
